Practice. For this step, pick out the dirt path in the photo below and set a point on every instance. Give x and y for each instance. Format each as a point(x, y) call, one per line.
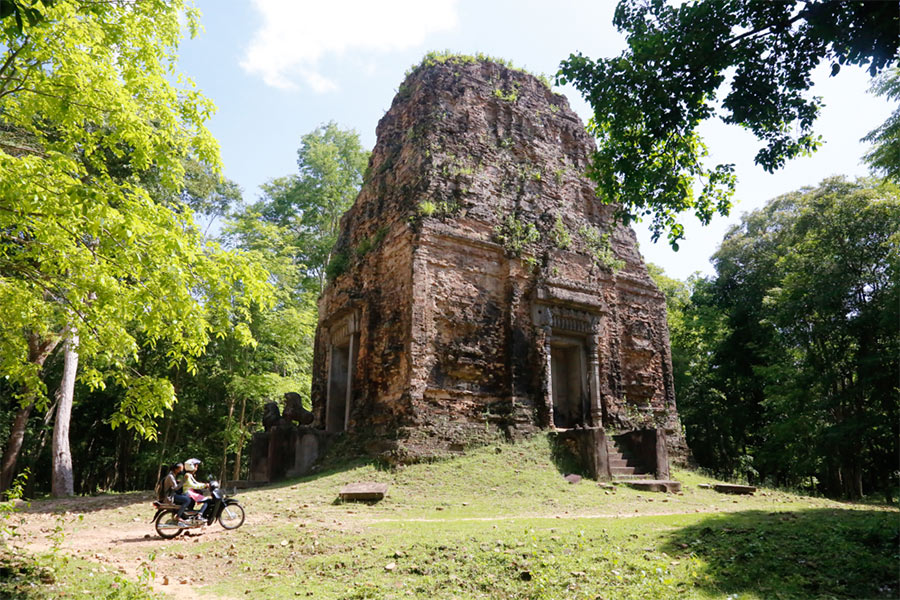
point(117, 535)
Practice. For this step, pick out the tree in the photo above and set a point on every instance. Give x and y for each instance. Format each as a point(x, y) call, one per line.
point(884, 158)
point(309, 206)
point(21, 12)
point(650, 101)
point(63, 483)
point(94, 138)
point(793, 346)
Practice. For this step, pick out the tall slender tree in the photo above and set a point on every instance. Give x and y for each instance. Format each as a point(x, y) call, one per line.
point(89, 117)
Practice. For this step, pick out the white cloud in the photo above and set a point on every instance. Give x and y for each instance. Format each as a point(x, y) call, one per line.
point(297, 34)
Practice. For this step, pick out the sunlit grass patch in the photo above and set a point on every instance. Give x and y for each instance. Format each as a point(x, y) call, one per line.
point(49, 576)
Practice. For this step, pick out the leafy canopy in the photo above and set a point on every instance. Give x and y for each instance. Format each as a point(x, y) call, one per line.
point(786, 359)
point(885, 156)
point(650, 101)
point(96, 128)
point(306, 208)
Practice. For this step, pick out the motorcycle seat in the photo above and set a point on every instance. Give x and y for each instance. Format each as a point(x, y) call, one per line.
point(158, 504)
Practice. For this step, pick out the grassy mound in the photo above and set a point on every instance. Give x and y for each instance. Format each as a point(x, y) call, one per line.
point(501, 522)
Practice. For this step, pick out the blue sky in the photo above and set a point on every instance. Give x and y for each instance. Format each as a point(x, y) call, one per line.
point(277, 69)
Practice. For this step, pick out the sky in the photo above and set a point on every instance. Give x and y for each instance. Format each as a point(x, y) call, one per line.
point(277, 69)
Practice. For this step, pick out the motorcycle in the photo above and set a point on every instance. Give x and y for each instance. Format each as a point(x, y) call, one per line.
point(225, 509)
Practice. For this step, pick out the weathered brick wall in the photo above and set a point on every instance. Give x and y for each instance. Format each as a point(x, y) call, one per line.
point(451, 348)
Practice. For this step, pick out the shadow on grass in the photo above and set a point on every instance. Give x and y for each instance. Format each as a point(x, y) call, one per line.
point(817, 553)
point(563, 457)
point(343, 454)
point(139, 501)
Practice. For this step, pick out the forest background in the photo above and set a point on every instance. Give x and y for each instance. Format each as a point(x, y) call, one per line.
point(135, 337)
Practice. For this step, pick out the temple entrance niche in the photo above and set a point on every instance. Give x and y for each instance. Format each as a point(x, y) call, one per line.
point(342, 353)
point(571, 344)
point(568, 383)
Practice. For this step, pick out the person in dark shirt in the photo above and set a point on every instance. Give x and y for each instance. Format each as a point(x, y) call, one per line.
point(173, 492)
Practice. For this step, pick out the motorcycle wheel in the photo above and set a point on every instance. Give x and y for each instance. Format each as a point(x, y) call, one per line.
point(166, 525)
point(232, 516)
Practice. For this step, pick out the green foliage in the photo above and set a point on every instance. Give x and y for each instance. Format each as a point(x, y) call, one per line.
point(782, 359)
point(597, 244)
point(516, 236)
point(560, 235)
point(8, 507)
point(337, 266)
point(443, 208)
point(95, 237)
point(884, 158)
point(454, 58)
point(140, 414)
point(368, 243)
point(24, 11)
point(508, 94)
point(307, 208)
point(426, 208)
point(650, 101)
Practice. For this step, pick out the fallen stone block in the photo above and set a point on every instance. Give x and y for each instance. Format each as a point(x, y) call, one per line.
point(363, 491)
point(656, 485)
point(730, 488)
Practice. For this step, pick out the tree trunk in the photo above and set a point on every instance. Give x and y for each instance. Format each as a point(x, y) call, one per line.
point(42, 443)
point(237, 459)
point(62, 482)
point(123, 459)
point(14, 445)
point(225, 443)
point(38, 351)
point(162, 451)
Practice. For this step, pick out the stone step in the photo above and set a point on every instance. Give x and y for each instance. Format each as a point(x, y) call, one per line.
point(625, 471)
point(619, 456)
point(618, 462)
point(632, 477)
point(656, 485)
point(614, 448)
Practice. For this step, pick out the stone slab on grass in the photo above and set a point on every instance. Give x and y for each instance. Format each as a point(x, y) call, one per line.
point(730, 488)
point(656, 485)
point(365, 491)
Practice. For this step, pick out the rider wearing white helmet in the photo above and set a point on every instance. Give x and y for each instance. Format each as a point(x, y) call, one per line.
point(191, 484)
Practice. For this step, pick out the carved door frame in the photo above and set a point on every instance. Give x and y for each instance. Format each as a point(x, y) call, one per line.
point(342, 332)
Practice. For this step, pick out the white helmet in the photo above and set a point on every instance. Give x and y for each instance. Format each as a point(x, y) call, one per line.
point(191, 464)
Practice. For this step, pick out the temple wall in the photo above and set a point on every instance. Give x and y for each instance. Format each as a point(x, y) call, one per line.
point(455, 328)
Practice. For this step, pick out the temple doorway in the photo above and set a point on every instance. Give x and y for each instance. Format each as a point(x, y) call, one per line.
point(567, 381)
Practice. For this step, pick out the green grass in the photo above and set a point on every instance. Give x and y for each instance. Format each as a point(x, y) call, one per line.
point(751, 554)
point(28, 577)
point(501, 522)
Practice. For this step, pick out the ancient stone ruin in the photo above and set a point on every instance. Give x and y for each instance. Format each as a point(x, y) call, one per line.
point(480, 289)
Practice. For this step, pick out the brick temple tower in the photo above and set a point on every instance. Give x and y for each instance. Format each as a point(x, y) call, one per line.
point(479, 285)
